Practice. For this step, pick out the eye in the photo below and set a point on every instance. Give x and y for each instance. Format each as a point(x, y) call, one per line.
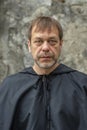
point(38, 42)
point(52, 41)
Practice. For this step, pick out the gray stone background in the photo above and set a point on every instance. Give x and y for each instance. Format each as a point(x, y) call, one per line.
point(15, 16)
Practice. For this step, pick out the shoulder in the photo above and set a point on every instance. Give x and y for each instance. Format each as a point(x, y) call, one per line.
point(79, 83)
point(14, 86)
point(79, 77)
point(18, 79)
point(74, 74)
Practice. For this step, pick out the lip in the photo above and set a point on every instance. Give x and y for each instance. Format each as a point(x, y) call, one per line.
point(47, 58)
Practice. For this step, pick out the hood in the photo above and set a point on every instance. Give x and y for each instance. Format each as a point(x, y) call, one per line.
point(61, 69)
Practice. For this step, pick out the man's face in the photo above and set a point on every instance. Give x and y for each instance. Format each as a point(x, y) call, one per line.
point(45, 47)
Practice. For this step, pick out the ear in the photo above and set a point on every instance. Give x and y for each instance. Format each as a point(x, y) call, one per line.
point(29, 47)
point(61, 43)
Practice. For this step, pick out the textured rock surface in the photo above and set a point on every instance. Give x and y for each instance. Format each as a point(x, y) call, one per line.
point(15, 17)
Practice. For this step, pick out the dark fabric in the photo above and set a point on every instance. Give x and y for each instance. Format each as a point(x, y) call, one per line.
point(57, 101)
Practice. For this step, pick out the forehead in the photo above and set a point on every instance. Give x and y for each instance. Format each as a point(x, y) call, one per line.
point(49, 30)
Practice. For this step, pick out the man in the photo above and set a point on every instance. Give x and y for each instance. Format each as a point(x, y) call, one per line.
point(49, 95)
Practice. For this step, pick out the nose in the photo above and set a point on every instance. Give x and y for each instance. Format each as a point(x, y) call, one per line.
point(45, 46)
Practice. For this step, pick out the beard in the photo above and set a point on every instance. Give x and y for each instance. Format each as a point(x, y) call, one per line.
point(46, 65)
point(46, 60)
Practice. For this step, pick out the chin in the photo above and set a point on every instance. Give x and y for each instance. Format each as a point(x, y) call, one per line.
point(47, 66)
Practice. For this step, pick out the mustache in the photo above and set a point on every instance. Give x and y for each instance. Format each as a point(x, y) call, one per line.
point(45, 55)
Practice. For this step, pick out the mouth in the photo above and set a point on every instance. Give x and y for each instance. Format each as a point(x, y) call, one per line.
point(45, 58)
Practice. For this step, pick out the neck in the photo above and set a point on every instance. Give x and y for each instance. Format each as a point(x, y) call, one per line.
point(43, 71)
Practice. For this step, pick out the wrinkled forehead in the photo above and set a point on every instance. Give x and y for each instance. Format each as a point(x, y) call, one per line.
point(47, 28)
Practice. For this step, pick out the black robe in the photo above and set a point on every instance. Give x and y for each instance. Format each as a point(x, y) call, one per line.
point(57, 101)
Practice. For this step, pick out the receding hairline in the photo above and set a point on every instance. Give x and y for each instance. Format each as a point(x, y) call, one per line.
point(44, 22)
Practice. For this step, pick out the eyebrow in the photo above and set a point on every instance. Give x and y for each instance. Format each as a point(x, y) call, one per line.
point(52, 37)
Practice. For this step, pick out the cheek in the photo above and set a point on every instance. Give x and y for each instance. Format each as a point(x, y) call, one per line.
point(35, 51)
point(56, 50)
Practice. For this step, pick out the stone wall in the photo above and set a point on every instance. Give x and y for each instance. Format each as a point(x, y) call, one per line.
point(15, 16)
